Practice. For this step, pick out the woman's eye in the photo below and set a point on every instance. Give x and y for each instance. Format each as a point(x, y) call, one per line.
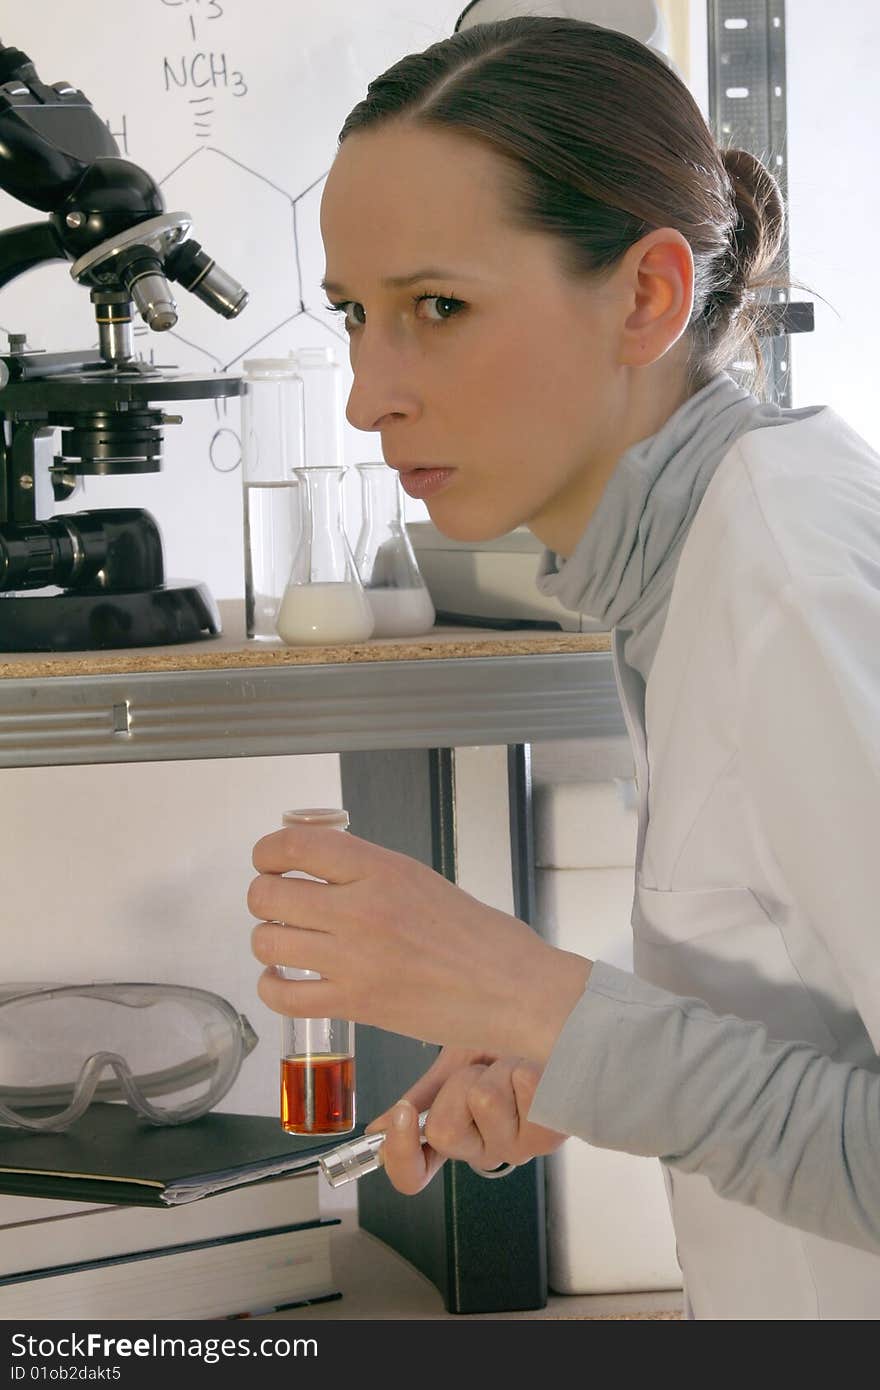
point(434, 308)
point(437, 307)
point(354, 314)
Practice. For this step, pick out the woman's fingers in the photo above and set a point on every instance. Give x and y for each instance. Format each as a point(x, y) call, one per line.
point(299, 999)
point(422, 1093)
point(300, 902)
point(477, 1112)
point(276, 943)
point(481, 1115)
point(409, 1163)
point(452, 1126)
point(320, 851)
point(493, 1107)
point(532, 1139)
point(410, 1171)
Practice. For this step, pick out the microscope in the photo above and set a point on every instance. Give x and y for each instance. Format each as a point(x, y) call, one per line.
point(92, 579)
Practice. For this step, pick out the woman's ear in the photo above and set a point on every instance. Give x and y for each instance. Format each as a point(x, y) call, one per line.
point(659, 273)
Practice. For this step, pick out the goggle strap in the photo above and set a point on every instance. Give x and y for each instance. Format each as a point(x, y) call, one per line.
point(75, 1098)
point(16, 1101)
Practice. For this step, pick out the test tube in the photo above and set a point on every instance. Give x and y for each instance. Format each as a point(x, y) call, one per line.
point(317, 1054)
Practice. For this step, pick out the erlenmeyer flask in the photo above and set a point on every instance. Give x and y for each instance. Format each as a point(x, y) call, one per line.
point(324, 600)
point(385, 559)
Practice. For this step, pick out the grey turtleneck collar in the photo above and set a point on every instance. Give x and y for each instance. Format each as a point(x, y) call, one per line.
point(621, 571)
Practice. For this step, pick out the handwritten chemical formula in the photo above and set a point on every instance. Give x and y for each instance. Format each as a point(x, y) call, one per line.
point(199, 68)
point(204, 73)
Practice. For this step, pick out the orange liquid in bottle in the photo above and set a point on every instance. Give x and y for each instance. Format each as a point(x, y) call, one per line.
point(317, 1095)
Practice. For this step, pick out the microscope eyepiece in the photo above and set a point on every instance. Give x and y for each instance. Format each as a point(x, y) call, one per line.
point(112, 550)
point(15, 66)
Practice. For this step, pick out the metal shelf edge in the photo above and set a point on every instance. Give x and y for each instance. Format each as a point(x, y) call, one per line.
point(333, 708)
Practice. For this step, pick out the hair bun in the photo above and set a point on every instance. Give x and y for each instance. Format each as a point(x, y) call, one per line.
point(760, 222)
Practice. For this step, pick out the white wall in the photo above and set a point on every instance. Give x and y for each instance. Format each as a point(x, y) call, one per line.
point(834, 197)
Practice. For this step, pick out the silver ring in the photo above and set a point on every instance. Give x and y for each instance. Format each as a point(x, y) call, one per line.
point(500, 1172)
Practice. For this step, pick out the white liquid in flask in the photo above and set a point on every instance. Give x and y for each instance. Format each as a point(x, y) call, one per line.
point(401, 612)
point(317, 613)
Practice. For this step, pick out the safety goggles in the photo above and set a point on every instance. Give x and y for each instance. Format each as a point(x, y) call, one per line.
point(170, 1051)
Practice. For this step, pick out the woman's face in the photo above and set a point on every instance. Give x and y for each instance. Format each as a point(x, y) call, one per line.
point(473, 351)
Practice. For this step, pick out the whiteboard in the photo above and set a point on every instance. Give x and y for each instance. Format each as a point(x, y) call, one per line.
point(234, 108)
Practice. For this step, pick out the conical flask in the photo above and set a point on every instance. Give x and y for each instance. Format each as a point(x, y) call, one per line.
point(324, 601)
point(385, 559)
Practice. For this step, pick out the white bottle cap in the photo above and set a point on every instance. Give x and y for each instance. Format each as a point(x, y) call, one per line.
point(268, 367)
point(317, 816)
point(316, 357)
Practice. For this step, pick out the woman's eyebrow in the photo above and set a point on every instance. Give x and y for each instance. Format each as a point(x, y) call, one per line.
point(399, 282)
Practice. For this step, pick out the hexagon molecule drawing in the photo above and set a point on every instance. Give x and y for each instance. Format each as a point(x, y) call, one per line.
point(253, 221)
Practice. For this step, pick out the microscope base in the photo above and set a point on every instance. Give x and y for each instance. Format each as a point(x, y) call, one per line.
point(179, 611)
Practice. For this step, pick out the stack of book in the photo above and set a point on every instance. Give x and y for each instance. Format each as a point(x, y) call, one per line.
point(118, 1219)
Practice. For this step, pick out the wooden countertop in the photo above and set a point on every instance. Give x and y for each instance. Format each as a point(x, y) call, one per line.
point(232, 651)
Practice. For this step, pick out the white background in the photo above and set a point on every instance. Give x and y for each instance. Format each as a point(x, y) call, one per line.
point(834, 202)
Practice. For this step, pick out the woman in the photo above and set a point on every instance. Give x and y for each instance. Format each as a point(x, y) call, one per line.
point(544, 264)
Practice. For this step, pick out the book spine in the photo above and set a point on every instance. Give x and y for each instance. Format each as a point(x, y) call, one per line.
point(218, 1279)
point(161, 1252)
point(58, 1231)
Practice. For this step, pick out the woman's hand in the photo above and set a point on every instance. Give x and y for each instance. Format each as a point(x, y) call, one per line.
point(400, 947)
point(478, 1113)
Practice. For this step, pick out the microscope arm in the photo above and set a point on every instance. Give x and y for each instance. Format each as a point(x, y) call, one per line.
point(31, 244)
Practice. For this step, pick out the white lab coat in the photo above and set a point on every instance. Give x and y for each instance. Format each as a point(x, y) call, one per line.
point(757, 751)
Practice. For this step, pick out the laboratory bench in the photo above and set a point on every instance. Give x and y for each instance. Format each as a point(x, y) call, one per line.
point(406, 717)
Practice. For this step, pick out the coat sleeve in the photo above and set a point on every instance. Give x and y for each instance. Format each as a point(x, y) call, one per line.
point(775, 1125)
point(810, 750)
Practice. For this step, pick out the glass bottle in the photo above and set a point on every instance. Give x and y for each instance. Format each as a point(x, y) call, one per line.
point(317, 1054)
point(272, 449)
point(323, 407)
point(385, 558)
point(324, 601)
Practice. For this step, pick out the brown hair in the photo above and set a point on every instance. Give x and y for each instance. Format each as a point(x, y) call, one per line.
point(604, 143)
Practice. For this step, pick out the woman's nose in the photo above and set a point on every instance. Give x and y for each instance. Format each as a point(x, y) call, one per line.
point(378, 393)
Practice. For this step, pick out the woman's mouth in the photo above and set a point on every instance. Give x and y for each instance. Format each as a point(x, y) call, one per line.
point(424, 482)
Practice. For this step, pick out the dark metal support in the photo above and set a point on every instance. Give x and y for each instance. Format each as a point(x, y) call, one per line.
point(747, 111)
point(482, 1243)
